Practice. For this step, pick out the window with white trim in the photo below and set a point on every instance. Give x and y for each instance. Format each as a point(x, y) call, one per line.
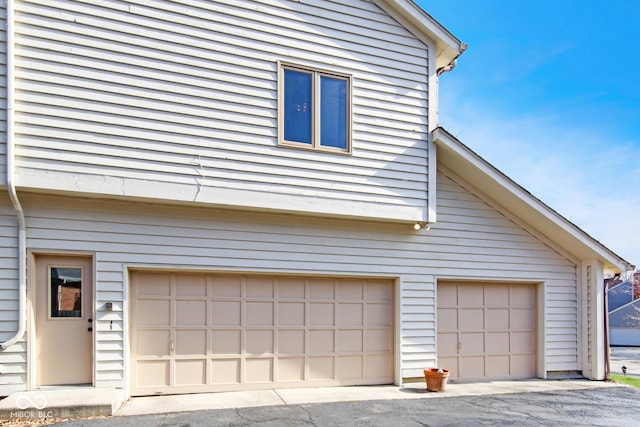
point(314, 108)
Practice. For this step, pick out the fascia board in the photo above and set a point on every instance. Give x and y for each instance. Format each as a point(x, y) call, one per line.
point(448, 46)
point(473, 168)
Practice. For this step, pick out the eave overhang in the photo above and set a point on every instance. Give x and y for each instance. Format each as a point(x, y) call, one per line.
point(448, 46)
point(502, 190)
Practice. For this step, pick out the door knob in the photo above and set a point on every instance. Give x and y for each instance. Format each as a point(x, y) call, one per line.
point(89, 329)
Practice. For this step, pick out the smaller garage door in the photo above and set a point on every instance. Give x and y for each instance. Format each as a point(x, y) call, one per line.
point(195, 333)
point(487, 331)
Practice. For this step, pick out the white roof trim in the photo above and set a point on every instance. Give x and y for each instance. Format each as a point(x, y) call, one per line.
point(507, 193)
point(448, 46)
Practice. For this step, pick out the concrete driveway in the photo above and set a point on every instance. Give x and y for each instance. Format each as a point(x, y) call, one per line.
point(599, 406)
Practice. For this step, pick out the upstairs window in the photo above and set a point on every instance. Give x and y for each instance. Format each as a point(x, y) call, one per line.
point(314, 109)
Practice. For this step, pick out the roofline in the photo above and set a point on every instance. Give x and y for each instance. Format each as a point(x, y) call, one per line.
point(448, 46)
point(558, 228)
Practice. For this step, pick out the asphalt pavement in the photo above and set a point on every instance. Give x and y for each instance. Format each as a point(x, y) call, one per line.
point(602, 406)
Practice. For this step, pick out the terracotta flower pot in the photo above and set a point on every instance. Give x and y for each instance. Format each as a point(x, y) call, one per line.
point(436, 378)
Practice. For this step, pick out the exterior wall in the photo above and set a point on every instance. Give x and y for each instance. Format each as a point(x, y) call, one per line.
point(3, 94)
point(473, 241)
point(13, 361)
point(163, 100)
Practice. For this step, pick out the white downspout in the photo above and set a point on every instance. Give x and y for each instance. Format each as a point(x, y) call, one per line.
point(11, 186)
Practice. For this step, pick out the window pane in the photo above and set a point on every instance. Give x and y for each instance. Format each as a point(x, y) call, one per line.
point(297, 106)
point(66, 292)
point(333, 112)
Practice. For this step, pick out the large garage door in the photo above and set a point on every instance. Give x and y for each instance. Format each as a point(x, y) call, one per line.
point(200, 332)
point(487, 331)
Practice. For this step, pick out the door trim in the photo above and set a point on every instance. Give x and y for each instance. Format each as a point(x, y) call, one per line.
point(31, 315)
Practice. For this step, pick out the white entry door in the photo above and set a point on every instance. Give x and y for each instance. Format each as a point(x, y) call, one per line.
point(64, 320)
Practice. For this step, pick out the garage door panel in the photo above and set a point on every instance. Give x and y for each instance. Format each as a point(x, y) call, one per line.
point(379, 314)
point(291, 341)
point(259, 341)
point(225, 371)
point(153, 342)
point(350, 314)
point(153, 373)
point(227, 313)
point(321, 288)
point(290, 369)
point(321, 314)
point(153, 313)
point(350, 290)
point(447, 344)
point(259, 371)
point(155, 284)
point(203, 332)
point(321, 341)
point(523, 318)
point(379, 291)
point(523, 342)
point(523, 365)
point(321, 368)
point(226, 286)
point(471, 318)
point(497, 342)
point(496, 296)
point(291, 288)
point(497, 319)
point(291, 314)
point(259, 313)
point(259, 287)
point(350, 341)
point(191, 313)
point(378, 365)
point(472, 367)
point(471, 297)
point(378, 340)
point(471, 342)
point(497, 367)
point(191, 342)
point(350, 367)
point(191, 285)
point(190, 372)
point(495, 335)
point(226, 341)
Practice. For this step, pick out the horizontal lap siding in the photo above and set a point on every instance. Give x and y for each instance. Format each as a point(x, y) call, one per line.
point(124, 235)
point(485, 244)
point(185, 93)
point(12, 360)
point(3, 94)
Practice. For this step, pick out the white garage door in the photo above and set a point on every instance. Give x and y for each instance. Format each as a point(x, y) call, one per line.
point(487, 331)
point(201, 332)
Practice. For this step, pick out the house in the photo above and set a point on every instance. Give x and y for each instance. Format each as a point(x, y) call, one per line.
point(257, 194)
point(623, 304)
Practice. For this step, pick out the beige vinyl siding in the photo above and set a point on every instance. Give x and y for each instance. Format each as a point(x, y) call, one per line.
point(13, 360)
point(177, 100)
point(472, 241)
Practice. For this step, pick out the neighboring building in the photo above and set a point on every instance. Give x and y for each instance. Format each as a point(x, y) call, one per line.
point(624, 312)
point(256, 194)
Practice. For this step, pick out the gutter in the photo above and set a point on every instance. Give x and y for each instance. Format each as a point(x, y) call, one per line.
point(440, 71)
point(11, 186)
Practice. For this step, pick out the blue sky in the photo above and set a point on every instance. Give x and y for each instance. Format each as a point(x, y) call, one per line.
point(549, 93)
